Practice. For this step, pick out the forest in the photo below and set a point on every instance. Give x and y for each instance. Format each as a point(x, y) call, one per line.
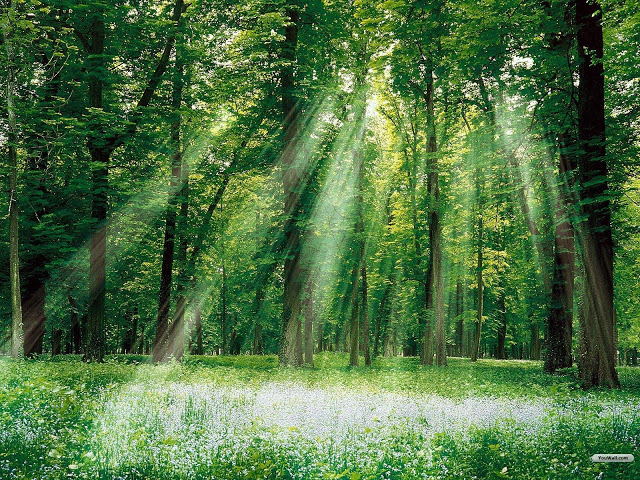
point(274, 218)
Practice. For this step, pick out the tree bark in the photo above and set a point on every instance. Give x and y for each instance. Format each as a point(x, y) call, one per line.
point(365, 314)
point(480, 300)
point(161, 342)
point(291, 180)
point(598, 360)
point(223, 316)
point(308, 321)
point(17, 336)
point(459, 317)
point(177, 328)
point(198, 332)
point(502, 325)
point(560, 327)
point(354, 324)
point(435, 226)
point(99, 167)
point(257, 340)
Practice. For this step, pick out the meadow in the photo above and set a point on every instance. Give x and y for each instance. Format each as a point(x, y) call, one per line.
point(247, 418)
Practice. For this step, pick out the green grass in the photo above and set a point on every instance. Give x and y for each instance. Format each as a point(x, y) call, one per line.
point(246, 418)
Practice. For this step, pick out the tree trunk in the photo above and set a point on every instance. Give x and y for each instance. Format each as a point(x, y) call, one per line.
point(354, 325)
point(177, 329)
point(76, 330)
point(257, 340)
point(535, 338)
point(560, 327)
point(502, 326)
point(308, 321)
point(321, 336)
point(56, 341)
point(165, 336)
point(598, 366)
point(365, 314)
point(198, 350)
point(223, 317)
point(480, 293)
point(33, 316)
point(17, 336)
point(291, 180)
point(459, 317)
point(99, 166)
point(435, 228)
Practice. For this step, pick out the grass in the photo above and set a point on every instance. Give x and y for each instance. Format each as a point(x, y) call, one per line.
point(246, 418)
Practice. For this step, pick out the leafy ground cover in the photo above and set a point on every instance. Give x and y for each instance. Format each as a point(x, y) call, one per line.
point(246, 418)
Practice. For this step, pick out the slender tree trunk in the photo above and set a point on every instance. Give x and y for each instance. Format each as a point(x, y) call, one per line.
point(76, 330)
point(17, 337)
point(223, 317)
point(435, 227)
point(257, 340)
point(459, 317)
point(502, 326)
point(598, 367)
point(321, 336)
point(198, 328)
point(354, 325)
point(161, 343)
point(480, 293)
point(177, 328)
point(365, 314)
point(379, 317)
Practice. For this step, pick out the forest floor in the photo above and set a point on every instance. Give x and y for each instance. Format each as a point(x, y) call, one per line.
point(246, 418)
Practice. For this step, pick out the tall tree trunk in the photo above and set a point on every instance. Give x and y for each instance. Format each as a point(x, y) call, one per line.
point(223, 316)
point(177, 328)
point(365, 313)
point(17, 337)
point(480, 300)
point(161, 343)
point(379, 316)
point(354, 325)
point(99, 165)
point(598, 365)
point(291, 180)
point(435, 226)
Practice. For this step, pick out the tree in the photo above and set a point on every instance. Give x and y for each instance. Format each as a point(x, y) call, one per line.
point(598, 355)
point(8, 31)
point(291, 181)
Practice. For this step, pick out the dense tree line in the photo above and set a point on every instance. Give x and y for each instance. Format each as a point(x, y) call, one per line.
point(399, 177)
